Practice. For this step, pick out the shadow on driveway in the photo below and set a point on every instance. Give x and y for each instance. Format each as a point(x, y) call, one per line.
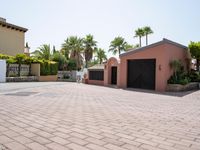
point(176, 94)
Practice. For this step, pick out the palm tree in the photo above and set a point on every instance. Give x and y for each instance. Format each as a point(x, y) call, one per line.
point(74, 46)
point(139, 33)
point(101, 56)
point(130, 47)
point(89, 46)
point(43, 52)
point(147, 31)
point(65, 50)
point(118, 45)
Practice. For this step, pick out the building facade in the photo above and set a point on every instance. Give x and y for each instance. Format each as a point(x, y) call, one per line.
point(146, 67)
point(12, 38)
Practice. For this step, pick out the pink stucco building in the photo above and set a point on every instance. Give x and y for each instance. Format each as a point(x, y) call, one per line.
point(145, 68)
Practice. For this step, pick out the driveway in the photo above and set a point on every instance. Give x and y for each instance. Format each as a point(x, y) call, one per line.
point(72, 116)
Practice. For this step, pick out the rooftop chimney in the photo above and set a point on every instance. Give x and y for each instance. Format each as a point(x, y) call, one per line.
point(2, 19)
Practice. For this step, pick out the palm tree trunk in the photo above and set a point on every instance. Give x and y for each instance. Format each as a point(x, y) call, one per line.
point(100, 60)
point(86, 64)
point(140, 40)
point(146, 39)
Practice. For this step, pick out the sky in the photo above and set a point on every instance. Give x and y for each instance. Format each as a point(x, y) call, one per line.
point(52, 21)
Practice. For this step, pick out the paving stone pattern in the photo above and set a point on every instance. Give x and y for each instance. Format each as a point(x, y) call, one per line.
point(72, 116)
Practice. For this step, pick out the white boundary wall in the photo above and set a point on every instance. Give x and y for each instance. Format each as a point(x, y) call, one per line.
point(2, 70)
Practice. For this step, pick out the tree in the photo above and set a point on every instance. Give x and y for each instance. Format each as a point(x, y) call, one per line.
point(130, 47)
point(43, 52)
point(176, 66)
point(139, 33)
point(60, 58)
point(89, 46)
point(101, 56)
point(117, 45)
point(54, 49)
point(20, 58)
point(147, 30)
point(74, 46)
point(65, 50)
point(194, 48)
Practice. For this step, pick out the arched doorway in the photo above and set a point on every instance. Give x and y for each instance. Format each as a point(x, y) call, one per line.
point(111, 71)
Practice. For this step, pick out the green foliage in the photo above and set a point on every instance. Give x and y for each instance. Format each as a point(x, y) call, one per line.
point(194, 76)
point(181, 78)
point(2, 56)
point(139, 33)
point(48, 68)
point(61, 59)
point(101, 56)
point(144, 31)
point(93, 62)
point(71, 64)
point(176, 66)
point(73, 46)
point(195, 49)
point(10, 61)
point(147, 30)
point(117, 45)
point(89, 45)
point(20, 58)
point(43, 52)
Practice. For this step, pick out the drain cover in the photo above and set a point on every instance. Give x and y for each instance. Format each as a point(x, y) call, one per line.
point(21, 93)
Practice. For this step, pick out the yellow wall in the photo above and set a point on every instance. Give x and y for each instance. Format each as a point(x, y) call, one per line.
point(11, 41)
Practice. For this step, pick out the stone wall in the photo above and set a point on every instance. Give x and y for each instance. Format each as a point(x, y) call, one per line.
point(22, 79)
point(179, 87)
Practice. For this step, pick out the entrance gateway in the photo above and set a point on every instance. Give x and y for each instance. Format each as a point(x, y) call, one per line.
point(114, 75)
point(141, 73)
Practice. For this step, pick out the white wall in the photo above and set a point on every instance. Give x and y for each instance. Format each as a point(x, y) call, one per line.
point(2, 70)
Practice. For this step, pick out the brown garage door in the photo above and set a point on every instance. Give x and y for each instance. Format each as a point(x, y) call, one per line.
point(141, 73)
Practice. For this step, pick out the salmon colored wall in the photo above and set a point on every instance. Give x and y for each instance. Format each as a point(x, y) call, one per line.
point(108, 70)
point(163, 54)
point(96, 82)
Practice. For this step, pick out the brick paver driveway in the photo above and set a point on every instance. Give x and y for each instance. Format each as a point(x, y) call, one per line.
point(64, 116)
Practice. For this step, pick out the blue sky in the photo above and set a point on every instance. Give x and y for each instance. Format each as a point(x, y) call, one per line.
point(52, 21)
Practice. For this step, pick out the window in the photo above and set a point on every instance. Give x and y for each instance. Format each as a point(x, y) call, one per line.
point(96, 75)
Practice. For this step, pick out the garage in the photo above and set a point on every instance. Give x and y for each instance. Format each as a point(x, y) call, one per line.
point(141, 73)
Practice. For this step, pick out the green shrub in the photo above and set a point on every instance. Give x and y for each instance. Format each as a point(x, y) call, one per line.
point(180, 78)
point(194, 76)
point(48, 68)
point(53, 68)
point(71, 64)
point(3, 56)
point(58, 57)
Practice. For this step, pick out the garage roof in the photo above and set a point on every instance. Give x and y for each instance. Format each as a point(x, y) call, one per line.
point(164, 41)
point(97, 67)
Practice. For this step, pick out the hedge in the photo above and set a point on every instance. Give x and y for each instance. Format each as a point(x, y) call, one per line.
point(48, 68)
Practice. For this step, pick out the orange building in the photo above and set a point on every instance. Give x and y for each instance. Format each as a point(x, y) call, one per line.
point(144, 68)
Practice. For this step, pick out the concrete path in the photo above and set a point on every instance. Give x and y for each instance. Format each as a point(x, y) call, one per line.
point(72, 116)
